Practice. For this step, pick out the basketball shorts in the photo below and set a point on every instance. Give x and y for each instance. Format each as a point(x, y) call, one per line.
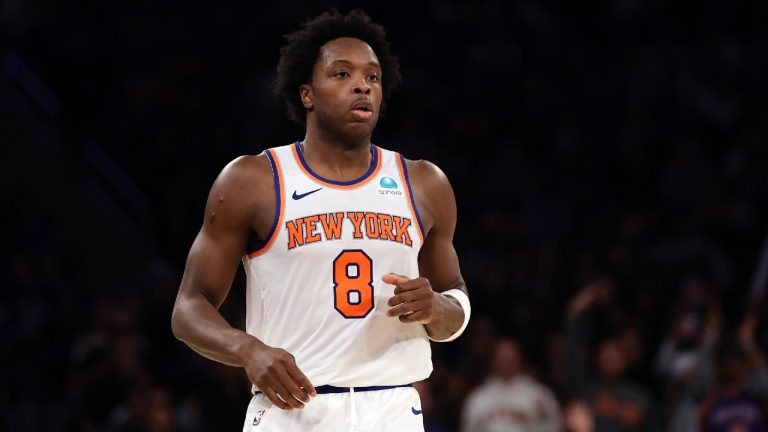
point(336, 409)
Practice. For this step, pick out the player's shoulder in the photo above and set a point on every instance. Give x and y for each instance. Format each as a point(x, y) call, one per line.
point(248, 165)
point(426, 174)
point(433, 194)
point(246, 177)
point(246, 168)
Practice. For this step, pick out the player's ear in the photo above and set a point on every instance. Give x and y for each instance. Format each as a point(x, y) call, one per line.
point(305, 93)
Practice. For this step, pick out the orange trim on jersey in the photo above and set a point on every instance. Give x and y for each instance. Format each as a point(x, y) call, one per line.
point(409, 197)
point(279, 201)
point(338, 185)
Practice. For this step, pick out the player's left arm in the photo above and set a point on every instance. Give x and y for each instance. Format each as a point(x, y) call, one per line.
point(422, 299)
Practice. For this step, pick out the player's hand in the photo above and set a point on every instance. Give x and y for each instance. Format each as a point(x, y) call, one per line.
point(414, 299)
point(274, 372)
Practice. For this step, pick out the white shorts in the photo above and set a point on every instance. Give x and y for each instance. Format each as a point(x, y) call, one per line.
point(394, 409)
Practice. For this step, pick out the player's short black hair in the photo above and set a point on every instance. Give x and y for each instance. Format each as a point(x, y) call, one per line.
point(302, 49)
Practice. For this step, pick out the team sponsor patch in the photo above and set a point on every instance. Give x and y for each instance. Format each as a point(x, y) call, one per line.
point(388, 187)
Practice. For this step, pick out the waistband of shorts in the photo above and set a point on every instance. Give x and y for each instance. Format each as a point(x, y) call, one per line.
point(328, 389)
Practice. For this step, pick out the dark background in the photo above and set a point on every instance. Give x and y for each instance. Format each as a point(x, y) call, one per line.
point(624, 140)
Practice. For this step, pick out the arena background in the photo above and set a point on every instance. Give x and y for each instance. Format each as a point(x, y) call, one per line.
point(615, 149)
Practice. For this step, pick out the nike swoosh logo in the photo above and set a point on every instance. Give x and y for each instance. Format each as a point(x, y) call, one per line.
point(300, 196)
point(415, 411)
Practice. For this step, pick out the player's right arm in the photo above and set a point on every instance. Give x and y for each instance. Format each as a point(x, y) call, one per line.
point(241, 200)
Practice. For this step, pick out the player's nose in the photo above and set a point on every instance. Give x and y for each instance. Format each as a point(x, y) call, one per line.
point(362, 87)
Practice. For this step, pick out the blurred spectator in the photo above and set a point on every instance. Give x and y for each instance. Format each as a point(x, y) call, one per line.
point(615, 403)
point(578, 417)
point(475, 361)
point(737, 402)
point(510, 399)
point(685, 358)
point(147, 409)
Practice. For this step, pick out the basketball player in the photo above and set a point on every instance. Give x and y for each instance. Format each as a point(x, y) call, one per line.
point(347, 248)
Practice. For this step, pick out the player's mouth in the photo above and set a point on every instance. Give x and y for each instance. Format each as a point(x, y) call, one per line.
point(362, 109)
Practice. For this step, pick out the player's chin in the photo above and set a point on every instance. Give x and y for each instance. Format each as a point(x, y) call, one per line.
point(361, 128)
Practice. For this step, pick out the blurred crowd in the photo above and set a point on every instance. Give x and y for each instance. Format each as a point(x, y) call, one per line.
point(608, 161)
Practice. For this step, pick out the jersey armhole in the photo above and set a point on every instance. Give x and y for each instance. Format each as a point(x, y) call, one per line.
point(411, 201)
point(277, 175)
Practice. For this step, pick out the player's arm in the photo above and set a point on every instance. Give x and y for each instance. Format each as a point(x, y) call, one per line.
point(241, 191)
point(422, 299)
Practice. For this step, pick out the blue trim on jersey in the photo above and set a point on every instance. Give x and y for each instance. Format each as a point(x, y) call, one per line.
point(367, 174)
point(328, 389)
point(278, 204)
point(410, 192)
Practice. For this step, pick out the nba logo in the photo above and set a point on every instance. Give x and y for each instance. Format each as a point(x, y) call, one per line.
point(257, 418)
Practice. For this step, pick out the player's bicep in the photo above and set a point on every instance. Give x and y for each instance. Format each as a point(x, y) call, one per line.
point(221, 242)
point(211, 265)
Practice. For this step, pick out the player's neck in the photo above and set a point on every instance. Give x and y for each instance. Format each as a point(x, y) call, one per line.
point(322, 137)
point(336, 159)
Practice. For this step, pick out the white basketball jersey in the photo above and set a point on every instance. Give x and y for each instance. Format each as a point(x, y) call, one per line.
point(314, 286)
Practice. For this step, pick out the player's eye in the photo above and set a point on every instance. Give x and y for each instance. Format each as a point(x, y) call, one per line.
point(373, 77)
point(341, 74)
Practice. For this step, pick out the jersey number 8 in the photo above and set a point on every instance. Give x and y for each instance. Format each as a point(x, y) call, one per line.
point(353, 283)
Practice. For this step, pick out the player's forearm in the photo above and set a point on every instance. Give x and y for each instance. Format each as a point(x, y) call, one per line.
point(199, 324)
point(449, 317)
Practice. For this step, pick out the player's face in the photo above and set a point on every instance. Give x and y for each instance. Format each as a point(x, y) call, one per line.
point(345, 92)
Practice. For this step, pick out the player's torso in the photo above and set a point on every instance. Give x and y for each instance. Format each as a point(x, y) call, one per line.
point(315, 287)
